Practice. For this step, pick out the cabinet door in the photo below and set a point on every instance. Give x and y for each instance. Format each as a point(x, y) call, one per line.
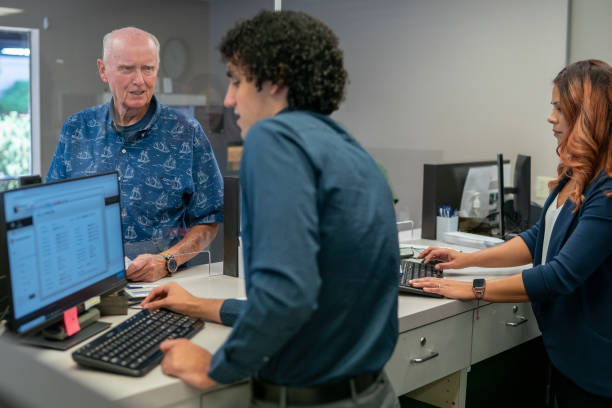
point(430, 352)
point(501, 326)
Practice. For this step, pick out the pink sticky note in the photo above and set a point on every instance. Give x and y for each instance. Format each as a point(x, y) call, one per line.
point(71, 321)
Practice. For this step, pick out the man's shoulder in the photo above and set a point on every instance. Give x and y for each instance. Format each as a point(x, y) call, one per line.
point(174, 115)
point(93, 113)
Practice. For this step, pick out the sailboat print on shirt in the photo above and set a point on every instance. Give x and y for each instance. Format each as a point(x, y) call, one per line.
point(201, 199)
point(144, 157)
point(169, 164)
point(202, 177)
point(161, 146)
point(84, 155)
point(185, 149)
point(177, 130)
point(164, 218)
point(129, 172)
point(144, 221)
point(91, 169)
point(153, 182)
point(176, 184)
point(157, 234)
point(77, 135)
point(107, 153)
point(136, 194)
point(130, 233)
point(162, 201)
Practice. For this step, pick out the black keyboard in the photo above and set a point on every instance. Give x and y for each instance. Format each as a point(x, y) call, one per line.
point(412, 270)
point(132, 347)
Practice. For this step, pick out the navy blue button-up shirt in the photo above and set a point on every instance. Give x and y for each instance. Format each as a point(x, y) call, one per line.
point(169, 178)
point(321, 258)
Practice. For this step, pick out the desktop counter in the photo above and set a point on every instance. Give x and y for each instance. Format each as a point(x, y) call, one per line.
point(439, 340)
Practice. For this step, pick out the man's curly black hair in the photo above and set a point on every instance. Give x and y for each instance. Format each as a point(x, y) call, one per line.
point(293, 49)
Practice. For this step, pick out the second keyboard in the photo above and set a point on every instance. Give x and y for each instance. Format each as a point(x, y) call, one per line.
point(412, 270)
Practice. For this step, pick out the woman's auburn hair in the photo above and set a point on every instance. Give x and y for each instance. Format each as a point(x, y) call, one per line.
point(585, 89)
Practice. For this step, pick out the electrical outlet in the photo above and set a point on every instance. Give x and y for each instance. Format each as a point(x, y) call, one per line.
point(541, 190)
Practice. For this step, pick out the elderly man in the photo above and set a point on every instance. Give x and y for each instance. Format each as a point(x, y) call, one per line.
point(171, 188)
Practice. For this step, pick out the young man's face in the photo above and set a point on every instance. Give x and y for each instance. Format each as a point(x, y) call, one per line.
point(250, 104)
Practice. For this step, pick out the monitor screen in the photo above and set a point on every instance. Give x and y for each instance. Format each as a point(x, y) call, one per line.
point(61, 244)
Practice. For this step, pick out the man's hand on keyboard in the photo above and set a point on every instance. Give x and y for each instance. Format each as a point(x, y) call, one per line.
point(172, 296)
point(185, 360)
point(450, 259)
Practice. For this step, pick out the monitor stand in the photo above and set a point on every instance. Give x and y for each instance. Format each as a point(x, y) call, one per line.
point(54, 337)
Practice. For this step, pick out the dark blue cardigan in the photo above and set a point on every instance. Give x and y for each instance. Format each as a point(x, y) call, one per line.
point(571, 293)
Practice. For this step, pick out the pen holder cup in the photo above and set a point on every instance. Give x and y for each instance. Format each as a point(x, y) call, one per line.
point(444, 225)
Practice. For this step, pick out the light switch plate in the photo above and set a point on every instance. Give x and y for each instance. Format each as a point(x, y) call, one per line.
point(541, 189)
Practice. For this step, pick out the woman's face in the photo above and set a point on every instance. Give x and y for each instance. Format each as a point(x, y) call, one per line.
point(556, 118)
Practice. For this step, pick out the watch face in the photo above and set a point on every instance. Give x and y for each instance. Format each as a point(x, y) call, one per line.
point(172, 265)
point(478, 283)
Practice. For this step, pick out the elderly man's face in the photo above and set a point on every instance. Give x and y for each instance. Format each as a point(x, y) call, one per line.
point(130, 69)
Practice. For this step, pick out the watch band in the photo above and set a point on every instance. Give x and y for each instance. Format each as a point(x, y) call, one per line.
point(478, 287)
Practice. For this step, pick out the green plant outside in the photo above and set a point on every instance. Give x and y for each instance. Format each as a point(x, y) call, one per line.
point(16, 98)
point(14, 144)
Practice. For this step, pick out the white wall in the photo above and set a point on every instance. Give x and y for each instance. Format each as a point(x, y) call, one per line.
point(439, 80)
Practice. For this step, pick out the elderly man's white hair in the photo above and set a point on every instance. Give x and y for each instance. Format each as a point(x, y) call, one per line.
point(108, 37)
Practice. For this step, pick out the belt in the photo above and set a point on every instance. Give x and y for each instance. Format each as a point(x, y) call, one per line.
point(314, 394)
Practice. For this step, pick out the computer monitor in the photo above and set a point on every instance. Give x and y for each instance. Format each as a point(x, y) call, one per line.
point(61, 244)
point(515, 213)
point(444, 184)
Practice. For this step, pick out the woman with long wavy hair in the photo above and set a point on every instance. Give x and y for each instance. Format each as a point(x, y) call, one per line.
point(570, 247)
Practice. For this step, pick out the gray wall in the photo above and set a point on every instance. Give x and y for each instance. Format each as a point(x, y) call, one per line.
point(431, 80)
point(590, 30)
point(446, 81)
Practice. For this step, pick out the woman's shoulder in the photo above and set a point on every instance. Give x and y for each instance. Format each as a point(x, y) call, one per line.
point(602, 182)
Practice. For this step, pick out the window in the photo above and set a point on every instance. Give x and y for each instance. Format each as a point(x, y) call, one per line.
point(19, 105)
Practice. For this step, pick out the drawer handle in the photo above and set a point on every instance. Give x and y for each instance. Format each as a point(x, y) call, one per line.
point(522, 319)
point(419, 360)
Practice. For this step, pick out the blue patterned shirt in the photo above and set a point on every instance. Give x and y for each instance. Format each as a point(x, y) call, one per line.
point(169, 178)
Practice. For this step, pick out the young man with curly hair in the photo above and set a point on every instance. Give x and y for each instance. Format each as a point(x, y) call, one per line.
point(319, 235)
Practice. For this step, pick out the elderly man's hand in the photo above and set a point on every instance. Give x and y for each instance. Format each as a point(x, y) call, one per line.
point(147, 268)
point(185, 360)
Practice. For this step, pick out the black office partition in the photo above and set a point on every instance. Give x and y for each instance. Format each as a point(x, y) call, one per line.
point(231, 224)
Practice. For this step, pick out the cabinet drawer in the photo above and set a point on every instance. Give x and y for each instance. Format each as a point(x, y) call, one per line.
point(501, 326)
point(430, 352)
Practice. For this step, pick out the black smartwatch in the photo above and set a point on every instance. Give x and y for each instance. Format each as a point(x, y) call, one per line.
point(171, 264)
point(478, 286)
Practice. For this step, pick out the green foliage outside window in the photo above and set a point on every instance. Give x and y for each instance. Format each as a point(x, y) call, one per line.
point(14, 144)
point(15, 98)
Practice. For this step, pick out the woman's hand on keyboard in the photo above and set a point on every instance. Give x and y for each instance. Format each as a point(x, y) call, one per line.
point(451, 289)
point(448, 258)
point(185, 360)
